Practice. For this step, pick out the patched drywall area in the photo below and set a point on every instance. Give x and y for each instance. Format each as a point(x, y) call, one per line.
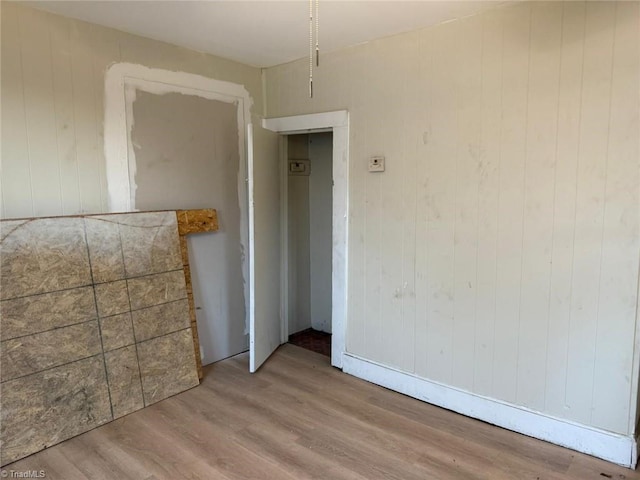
point(94, 324)
point(187, 156)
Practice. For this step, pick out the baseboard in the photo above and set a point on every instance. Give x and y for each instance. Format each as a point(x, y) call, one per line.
point(609, 446)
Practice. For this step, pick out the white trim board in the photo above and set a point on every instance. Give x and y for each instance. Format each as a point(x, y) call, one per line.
point(338, 123)
point(609, 446)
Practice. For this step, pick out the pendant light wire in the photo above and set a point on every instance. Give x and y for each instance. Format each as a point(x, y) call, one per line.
point(310, 48)
point(317, 34)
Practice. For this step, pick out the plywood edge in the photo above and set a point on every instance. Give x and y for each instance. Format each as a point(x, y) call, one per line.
point(194, 221)
point(197, 221)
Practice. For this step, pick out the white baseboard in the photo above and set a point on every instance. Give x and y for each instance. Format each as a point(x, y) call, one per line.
point(609, 446)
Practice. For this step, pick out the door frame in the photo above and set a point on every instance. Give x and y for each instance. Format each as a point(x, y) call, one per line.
point(121, 81)
point(338, 123)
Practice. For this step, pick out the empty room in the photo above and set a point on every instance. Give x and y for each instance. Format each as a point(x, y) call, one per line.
point(323, 239)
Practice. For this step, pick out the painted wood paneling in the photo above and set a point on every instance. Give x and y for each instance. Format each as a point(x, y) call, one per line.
point(63, 92)
point(488, 201)
point(515, 81)
point(620, 230)
point(37, 81)
point(590, 201)
point(537, 228)
point(17, 198)
point(499, 252)
point(53, 72)
point(564, 219)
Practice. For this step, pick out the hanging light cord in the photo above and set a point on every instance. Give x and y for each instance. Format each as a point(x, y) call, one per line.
point(317, 49)
point(317, 31)
point(310, 48)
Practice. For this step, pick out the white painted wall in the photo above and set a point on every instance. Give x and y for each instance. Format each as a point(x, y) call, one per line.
point(309, 212)
point(53, 94)
point(320, 240)
point(299, 282)
point(499, 252)
point(52, 87)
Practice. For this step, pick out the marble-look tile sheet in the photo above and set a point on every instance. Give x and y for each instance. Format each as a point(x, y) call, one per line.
point(8, 226)
point(34, 353)
point(51, 406)
point(161, 319)
point(124, 381)
point(112, 298)
point(105, 248)
point(156, 289)
point(117, 331)
point(44, 255)
point(39, 313)
point(94, 324)
point(150, 243)
point(167, 365)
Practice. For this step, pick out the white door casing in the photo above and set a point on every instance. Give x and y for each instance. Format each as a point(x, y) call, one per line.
point(338, 122)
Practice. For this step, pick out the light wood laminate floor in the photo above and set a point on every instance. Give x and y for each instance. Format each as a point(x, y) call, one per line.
point(299, 418)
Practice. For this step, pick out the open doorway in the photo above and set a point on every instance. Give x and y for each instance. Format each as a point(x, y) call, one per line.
point(336, 122)
point(309, 167)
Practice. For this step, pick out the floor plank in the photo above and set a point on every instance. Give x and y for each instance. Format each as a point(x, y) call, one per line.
point(299, 418)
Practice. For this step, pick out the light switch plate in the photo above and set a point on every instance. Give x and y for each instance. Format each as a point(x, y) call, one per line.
point(376, 164)
point(299, 167)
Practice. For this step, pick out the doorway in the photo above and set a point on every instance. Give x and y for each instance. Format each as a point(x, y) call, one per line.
point(309, 238)
point(336, 122)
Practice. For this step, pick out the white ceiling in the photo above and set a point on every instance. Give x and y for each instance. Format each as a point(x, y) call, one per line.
point(264, 33)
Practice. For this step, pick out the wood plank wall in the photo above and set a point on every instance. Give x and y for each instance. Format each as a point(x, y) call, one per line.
point(52, 89)
point(499, 251)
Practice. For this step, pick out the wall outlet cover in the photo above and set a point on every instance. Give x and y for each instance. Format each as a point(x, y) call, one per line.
point(376, 164)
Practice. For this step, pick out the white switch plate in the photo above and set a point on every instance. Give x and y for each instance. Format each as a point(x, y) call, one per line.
point(299, 167)
point(376, 164)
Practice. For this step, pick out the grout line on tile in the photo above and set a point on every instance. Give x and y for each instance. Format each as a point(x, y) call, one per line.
point(133, 329)
point(95, 299)
point(51, 368)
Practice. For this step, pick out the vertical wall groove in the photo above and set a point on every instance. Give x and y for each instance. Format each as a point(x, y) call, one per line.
point(535, 216)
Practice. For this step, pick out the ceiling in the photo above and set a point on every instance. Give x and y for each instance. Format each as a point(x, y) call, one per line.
point(263, 33)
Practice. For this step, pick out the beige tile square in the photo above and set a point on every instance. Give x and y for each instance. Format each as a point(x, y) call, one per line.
point(8, 226)
point(43, 255)
point(167, 365)
point(150, 243)
point(46, 408)
point(161, 319)
point(156, 289)
point(112, 298)
point(105, 249)
point(34, 353)
point(124, 381)
point(117, 331)
point(39, 313)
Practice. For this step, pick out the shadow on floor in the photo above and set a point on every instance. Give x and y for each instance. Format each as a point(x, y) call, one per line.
point(319, 342)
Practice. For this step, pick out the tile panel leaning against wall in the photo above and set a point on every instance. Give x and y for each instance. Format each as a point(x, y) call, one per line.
point(94, 324)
